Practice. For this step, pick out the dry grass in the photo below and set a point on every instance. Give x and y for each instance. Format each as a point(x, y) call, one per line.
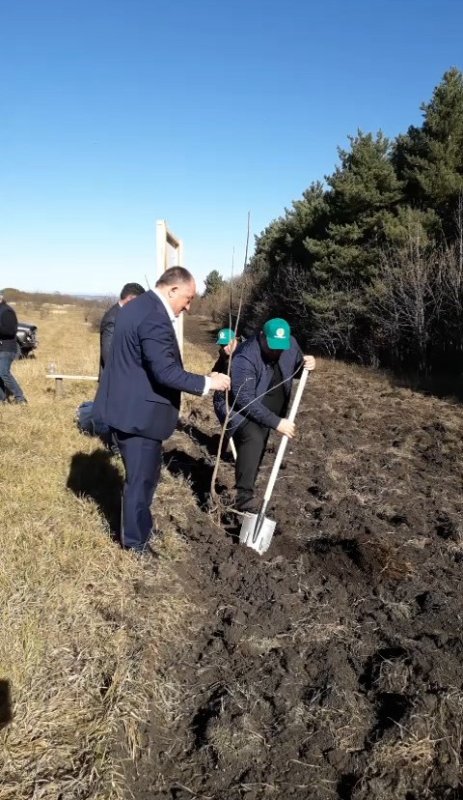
point(81, 620)
point(410, 752)
point(431, 738)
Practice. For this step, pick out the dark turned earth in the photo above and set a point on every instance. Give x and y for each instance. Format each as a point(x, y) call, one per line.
point(330, 667)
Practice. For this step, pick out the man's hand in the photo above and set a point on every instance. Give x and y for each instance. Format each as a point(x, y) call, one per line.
point(286, 428)
point(219, 382)
point(309, 363)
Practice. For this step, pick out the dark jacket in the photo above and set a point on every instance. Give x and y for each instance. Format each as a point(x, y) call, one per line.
point(8, 329)
point(219, 398)
point(106, 333)
point(251, 377)
point(141, 384)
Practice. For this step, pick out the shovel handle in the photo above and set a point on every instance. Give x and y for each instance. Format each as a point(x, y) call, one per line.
point(233, 448)
point(298, 395)
point(284, 440)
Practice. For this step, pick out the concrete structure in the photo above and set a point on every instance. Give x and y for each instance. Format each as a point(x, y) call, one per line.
point(169, 253)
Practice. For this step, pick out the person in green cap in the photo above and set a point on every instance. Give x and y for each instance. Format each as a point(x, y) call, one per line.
point(262, 372)
point(228, 343)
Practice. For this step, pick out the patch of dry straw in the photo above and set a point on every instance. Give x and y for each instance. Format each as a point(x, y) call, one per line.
point(81, 620)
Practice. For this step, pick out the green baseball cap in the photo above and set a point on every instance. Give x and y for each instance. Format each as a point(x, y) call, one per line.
point(225, 336)
point(277, 333)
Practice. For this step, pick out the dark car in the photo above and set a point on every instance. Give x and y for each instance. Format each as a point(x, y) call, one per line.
point(26, 338)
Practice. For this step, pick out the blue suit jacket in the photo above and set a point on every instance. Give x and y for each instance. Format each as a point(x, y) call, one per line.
point(143, 378)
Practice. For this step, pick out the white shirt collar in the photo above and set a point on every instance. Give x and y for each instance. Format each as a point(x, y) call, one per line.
point(166, 305)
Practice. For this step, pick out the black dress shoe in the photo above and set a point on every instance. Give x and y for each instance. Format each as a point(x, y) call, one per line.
point(251, 506)
point(149, 552)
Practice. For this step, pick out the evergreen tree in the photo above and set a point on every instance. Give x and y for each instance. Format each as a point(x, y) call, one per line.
point(281, 265)
point(213, 282)
point(283, 241)
point(363, 202)
point(430, 159)
point(379, 244)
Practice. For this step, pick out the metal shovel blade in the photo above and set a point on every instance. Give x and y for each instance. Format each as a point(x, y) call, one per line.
point(265, 529)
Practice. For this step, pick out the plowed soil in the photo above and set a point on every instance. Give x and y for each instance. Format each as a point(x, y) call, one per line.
point(331, 666)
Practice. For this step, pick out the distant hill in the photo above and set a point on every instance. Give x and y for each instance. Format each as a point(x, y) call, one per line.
point(40, 298)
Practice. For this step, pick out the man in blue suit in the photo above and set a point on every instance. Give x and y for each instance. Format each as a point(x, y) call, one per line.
point(140, 390)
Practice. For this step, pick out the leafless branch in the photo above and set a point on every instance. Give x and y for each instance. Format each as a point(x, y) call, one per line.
point(223, 431)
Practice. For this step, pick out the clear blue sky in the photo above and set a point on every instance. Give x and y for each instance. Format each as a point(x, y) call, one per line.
point(115, 113)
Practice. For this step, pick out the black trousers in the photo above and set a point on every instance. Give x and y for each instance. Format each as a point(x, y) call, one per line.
point(250, 440)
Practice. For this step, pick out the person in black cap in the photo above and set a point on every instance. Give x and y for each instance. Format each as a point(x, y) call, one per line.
point(9, 386)
point(262, 372)
point(128, 293)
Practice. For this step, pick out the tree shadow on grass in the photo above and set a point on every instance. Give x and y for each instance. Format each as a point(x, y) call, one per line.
point(95, 476)
point(445, 386)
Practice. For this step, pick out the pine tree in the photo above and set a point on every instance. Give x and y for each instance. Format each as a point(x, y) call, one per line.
point(430, 159)
point(213, 282)
point(283, 241)
point(363, 201)
point(322, 262)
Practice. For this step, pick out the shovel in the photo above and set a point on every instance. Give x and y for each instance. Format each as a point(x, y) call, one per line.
point(233, 448)
point(256, 529)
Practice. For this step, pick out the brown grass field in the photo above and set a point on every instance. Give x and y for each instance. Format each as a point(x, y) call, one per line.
point(328, 669)
point(80, 619)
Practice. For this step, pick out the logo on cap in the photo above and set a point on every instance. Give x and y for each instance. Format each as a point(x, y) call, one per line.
point(280, 333)
point(222, 335)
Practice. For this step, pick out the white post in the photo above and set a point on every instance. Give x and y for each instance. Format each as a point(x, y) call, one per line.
point(165, 237)
point(179, 322)
point(161, 247)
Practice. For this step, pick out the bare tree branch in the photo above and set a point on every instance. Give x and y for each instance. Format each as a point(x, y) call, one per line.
point(214, 496)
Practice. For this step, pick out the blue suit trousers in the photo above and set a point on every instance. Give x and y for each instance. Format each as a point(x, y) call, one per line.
point(142, 462)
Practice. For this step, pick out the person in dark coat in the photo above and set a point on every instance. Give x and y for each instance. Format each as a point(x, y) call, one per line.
point(228, 343)
point(140, 390)
point(9, 386)
point(262, 372)
point(128, 293)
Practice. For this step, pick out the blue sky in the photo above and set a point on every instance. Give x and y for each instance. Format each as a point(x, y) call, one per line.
point(115, 113)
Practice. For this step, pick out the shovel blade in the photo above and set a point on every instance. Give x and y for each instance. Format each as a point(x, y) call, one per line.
point(264, 536)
